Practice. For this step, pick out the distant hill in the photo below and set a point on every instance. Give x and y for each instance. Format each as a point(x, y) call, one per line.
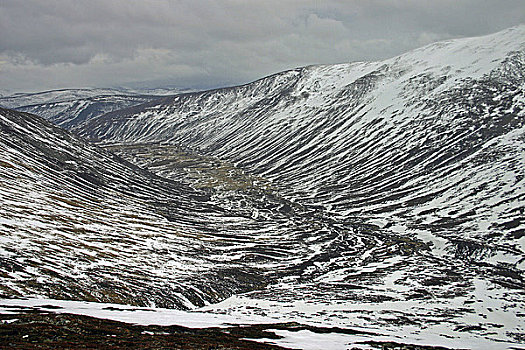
point(71, 107)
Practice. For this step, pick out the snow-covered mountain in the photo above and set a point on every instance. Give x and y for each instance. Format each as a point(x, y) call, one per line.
point(427, 143)
point(78, 222)
point(425, 147)
point(70, 107)
point(32, 98)
point(52, 96)
point(386, 197)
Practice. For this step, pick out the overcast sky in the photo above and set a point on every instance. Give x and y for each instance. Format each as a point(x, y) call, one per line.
point(48, 44)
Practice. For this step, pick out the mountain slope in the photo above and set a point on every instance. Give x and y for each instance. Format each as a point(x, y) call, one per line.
point(77, 222)
point(385, 196)
point(34, 98)
point(429, 143)
point(419, 159)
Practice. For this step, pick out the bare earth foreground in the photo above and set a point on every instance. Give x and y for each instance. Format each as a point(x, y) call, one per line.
point(39, 329)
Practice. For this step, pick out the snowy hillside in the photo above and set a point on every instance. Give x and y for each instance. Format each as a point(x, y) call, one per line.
point(426, 148)
point(382, 197)
point(429, 143)
point(34, 98)
point(77, 222)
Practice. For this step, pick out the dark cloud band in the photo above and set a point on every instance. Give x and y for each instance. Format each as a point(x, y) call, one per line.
point(57, 43)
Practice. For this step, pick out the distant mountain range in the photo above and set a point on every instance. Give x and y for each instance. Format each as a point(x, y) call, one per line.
point(70, 107)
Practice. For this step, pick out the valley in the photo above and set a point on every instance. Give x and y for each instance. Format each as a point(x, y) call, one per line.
point(384, 199)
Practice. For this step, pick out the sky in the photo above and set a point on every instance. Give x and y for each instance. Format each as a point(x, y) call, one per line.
point(198, 44)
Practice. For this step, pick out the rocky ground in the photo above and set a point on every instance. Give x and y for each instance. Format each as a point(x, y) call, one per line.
point(46, 330)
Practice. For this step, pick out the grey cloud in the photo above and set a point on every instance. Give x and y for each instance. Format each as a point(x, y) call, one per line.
point(203, 43)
